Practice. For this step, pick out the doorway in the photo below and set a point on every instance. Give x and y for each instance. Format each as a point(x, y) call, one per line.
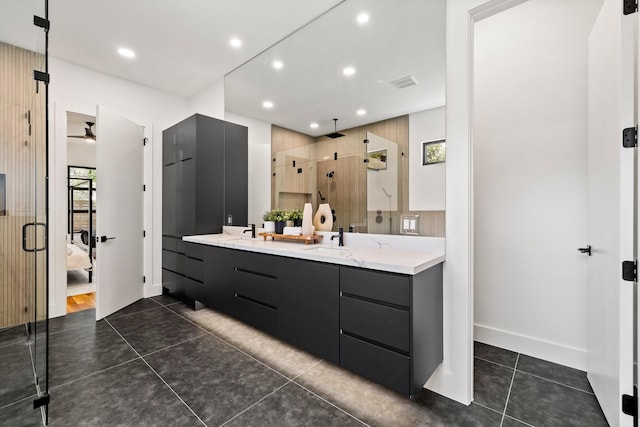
point(546, 192)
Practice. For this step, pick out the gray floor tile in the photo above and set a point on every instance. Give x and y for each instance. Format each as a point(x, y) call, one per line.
point(495, 354)
point(127, 395)
point(214, 379)
point(165, 299)
point(294, 406)
point(544, 403)
point(16, 373)
point(554, 372)
point(82, 351)
point(13, 335)
point(21, 414)
point(491, 384)
point(511, 422)
point(138, 306)
point(446, 412)
point(78, 319)
point(162, 328)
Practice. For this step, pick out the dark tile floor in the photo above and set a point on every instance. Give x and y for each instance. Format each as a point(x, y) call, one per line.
point(157, 362)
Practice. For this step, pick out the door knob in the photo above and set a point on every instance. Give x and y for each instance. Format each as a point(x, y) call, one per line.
point(586, 250)
point(105, 238)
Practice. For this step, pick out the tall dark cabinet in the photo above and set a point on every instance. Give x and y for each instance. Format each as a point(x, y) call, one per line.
point(204, 186)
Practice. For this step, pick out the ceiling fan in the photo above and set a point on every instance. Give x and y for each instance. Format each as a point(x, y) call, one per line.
point(88, 136)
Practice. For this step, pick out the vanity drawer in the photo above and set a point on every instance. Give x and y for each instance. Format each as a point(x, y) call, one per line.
point(193, 250)
point(173, 282)
point(193, 289)
point(265, 265)
point(170, 243)
point(378, 364)
point(380, 323)
point(256, 315)
point(256, 286)
point(171, 260)
point(386, 287)
point(193, 268)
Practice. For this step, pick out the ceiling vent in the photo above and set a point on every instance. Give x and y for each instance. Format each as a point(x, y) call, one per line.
point(404, 82)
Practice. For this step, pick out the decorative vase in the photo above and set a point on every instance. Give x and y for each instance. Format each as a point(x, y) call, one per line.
point(307, 220)
point(323, 220)
point(280, 226)
point(269, 226)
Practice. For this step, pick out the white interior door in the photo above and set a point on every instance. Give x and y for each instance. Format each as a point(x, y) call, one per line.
point(610, 213)
point(119, 220)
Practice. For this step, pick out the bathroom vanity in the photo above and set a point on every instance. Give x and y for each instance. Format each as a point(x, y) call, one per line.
point(372, 310)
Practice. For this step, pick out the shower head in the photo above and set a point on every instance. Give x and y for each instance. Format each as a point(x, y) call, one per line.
point(330, 174)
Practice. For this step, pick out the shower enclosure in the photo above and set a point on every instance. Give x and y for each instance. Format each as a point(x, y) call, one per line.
point(23, 217)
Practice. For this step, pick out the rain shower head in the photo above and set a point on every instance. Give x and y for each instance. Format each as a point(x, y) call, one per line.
point(335, 134)
point(330, 174)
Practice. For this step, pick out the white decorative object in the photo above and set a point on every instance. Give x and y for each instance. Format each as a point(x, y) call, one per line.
point(291, 231)
point(269, 226)
point(307, 220)
point(323, 221)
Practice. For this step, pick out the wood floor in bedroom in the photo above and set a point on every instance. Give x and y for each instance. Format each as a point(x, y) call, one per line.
point(81, 302)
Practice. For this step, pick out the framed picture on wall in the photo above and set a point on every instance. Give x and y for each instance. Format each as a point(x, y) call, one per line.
point(434, 152)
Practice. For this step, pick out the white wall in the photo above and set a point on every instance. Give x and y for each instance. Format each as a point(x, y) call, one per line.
point(426, 183)
point(529, 179)
point(78, 89)
point(259, 165)
point(83, 154)
point(209, 101)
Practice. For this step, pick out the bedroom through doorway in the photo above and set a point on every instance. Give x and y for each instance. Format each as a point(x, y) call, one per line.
point(81, 212)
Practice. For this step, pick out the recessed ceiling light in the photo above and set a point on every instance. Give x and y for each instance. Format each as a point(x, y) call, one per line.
point(127, 53)
point(235, 42)
point(267, 104)
point(277, 64)
point(313, 126)
point(363, 18)
point(349, 71)
point(361, 112)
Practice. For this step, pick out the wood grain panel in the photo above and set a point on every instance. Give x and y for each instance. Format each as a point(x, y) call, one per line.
point(22, 160)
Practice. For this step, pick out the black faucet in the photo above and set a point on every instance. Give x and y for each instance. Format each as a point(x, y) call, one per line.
point(340, 236)
point(252, 230)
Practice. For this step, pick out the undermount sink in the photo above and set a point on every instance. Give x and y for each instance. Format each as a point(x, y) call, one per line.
point(330, 251)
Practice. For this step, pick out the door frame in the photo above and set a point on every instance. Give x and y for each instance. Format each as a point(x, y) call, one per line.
point(58, 202)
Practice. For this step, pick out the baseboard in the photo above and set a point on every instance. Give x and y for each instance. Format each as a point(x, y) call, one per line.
point(153, 291)
point(546, 350)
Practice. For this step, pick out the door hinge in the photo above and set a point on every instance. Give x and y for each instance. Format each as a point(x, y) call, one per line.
point(41, 22)
point(630, 137)
point(144, 187)
point(630, 403)
point(629, 7)
point(630, 271)
point(39, 76)
point(144, 141)
point(144, 279)
point(41, 401)
point(144, 233)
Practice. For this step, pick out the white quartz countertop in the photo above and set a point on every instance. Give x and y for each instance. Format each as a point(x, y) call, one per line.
point(383, 258)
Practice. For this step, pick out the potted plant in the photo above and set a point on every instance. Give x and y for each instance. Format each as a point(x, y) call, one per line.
point(280, 216)
point(296, 216)
point(269, 222)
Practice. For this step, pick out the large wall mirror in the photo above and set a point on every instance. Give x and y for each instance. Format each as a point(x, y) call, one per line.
point(379, 68)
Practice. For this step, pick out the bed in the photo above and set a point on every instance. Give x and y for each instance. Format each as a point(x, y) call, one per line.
point(77, 259)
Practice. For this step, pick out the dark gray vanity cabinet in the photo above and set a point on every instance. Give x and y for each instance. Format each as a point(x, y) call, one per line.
point(308, 301)
point(391, 326)
point(204, 186)
point(256, 290)
point(218, 279)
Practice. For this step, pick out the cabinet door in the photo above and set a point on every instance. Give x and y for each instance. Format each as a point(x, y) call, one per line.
point(185, 135)
point(169, 191)
point(209, 203)
point(169, 146)
point(308, 309)
point(218, 279)
point(236, 173)
point(186, 198)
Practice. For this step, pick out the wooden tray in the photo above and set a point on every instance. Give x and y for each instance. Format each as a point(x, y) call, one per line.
point(306, 239)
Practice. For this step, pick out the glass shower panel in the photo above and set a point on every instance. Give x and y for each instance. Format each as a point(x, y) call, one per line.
point(23, 220)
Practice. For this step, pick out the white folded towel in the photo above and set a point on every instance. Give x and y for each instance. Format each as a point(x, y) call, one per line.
point(292, 231)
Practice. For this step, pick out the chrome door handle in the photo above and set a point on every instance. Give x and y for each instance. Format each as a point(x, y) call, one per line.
point(586, 250)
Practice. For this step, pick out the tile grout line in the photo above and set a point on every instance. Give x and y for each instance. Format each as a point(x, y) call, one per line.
point(93, 373)
point(255, 403)
point(494, 363)
point(506, 403)
point(156, 373)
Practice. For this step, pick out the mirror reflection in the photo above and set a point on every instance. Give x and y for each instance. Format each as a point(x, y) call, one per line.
point(367, 165)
